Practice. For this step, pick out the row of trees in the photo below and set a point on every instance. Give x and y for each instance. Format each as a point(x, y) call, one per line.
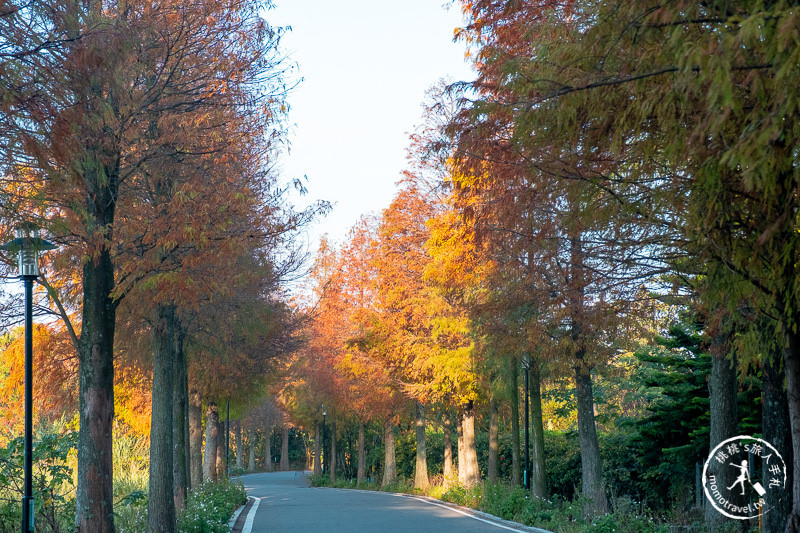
point(663, 137)
point(141, 137)
point(612, 161)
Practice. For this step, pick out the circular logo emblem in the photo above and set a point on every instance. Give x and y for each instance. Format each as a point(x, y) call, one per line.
point(738, 474)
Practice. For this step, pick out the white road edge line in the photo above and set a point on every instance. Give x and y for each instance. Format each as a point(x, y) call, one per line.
point(248, 523)
point(459, 511)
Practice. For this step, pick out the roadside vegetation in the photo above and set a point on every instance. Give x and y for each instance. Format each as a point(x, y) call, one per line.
point(517, 505)
point(208, 509)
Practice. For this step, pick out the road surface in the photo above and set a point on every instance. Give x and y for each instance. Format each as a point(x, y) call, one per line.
point(284, 502)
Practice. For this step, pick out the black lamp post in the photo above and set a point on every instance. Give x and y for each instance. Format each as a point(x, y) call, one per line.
point(28, 244)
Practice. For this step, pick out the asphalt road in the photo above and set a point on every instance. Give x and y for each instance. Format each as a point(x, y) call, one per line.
point(283, 502)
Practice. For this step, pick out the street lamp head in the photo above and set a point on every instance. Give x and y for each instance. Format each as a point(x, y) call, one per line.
point(28, 244)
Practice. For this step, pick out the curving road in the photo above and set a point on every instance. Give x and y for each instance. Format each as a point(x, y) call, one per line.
point(283, 502)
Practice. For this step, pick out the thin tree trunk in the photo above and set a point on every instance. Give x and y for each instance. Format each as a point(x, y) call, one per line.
point(591, 465)
point(777, 431)
point(187, 446)
point(95, 488)
point(180, 459)
point(389, 460)
point(493, 443)
point(421, 469)
point(161, 495)
point(538, 479)
point(723, 390)
point(317, 450)
point(221, 463)
point(791, 365)
point(251, 461)
point(447, 469)
point(462, 474)
point(238, 444)
point(332, 461)
point(285, 448)
point(195, 438)
point(212, 434)
point(268, 450)
point(515, 445)
point(472, 474)
point(526, 455)
point(361, 477)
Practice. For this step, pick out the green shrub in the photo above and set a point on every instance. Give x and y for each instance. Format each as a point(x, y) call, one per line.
point(53, 486)
point(563, 463)
point(461, 495)
point(507, 503)
point(321, 480)
point(210, 507)
point(237, 471)
point(130, 513)
point(401, 485)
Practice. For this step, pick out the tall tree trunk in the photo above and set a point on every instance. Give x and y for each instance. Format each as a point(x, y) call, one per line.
point(332, 461)
point(238, 444)
point(317, 450)
point(421, 469)
point(195, 438)
point(212, 434)
point(472, 474)
point(515, 445)
point(180, 458)
point(447, 469)
point(285, 447)
point(723, 416)
point(526, 456)
point(791, 365)
point(222, 471)
point(777, 431)
point(268, 449)
point(186, 433)
point(161, 500)
point(591, 465)
point(361, 476)
point(95, 488)
point(389, 459)
point(251, 460)
point(462, 462)
point(538, 480)
point(493, 444)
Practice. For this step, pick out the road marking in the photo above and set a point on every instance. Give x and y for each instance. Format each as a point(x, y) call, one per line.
point(459, 511)
point(248, 523)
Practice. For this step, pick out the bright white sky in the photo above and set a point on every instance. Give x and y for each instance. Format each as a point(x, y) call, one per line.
point(366, 65)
